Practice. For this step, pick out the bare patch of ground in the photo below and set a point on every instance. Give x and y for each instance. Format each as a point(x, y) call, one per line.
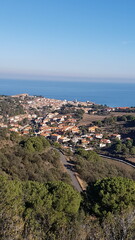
point(131, 159)
point(87, 118)
point(82, 183)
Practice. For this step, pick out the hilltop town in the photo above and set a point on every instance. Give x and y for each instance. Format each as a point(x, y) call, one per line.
point(73, 124)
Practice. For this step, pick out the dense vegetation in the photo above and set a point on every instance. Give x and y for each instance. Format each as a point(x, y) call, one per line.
point(126, 120)
point(10, 106)
point(110, 195)
point(123, 148)
point(37, 201)
point(32, 210)
point(31, 159)
point(54, 210)
point(92, 167)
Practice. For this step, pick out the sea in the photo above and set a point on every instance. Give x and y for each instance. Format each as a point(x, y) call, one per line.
point(111, 94)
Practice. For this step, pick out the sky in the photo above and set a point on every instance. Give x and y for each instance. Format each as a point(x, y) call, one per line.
point(66, 39)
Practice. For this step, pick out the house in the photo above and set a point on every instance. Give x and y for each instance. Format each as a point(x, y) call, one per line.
point(13, 129)
point(63, 139)
point(64, 128)
point(33, 116)
point(45, 128)
point(25, 132)
point(92, 129)
point(84, 142)
point(116, 136)
point(44, 134)
point(99, 136)
point(101, 145)
point(71, 120)
point(75, 129)
point(46, 120)
point(55, 137)
point(104, 142)
point(2, 125)
point(90, 138)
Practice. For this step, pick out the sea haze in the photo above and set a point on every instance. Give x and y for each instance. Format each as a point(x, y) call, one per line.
point(111, 94)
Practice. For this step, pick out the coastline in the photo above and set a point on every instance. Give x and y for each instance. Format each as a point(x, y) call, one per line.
point(111, 94)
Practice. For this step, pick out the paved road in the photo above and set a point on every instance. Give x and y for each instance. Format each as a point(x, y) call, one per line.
point(71, 171)
point(119, 160)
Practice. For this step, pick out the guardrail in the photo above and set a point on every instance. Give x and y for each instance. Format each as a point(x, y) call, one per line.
point(119, 160)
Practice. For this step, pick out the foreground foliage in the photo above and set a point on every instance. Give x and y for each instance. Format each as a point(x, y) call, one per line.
point(36, 205)
point(110, 195)
point(37, 211)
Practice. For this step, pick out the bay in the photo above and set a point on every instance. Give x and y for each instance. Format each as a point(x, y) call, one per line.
point(111, 94)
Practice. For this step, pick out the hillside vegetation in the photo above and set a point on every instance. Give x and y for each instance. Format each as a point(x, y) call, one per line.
point(31, 159)
point(92, 167)
point(54, 210)
point(37, 201)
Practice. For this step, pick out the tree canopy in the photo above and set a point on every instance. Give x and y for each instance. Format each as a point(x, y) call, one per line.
point(110, 195)
point(33, 210)
point(33, 144)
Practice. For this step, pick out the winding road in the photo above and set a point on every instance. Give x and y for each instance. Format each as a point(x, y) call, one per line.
point(119, 160)
point(71, 171)
point(70, 168)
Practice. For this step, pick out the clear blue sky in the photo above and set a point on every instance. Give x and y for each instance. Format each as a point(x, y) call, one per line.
point(82, 38)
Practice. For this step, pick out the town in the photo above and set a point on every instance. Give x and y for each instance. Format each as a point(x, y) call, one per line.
point(72, 124)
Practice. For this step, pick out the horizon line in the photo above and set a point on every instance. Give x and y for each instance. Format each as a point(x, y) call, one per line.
point(66, 78)
point(74, 79)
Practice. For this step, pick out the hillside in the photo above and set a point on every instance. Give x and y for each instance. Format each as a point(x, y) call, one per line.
point(37, 201)
point(31, 159)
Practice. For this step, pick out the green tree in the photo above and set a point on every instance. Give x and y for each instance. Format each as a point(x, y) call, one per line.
point(110, 195)
point(132, 151)
point(11, 209)
point(118, 147)
point(125, 150)
point(37, 214)
point(33, 144)
point(48, 208)
point(129, 143)
point(64, 198)
point(89, 155)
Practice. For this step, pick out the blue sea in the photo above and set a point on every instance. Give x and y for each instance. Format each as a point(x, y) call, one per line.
point(111, 94)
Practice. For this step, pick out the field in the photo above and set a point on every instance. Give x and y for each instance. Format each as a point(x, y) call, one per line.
point(87, 118)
